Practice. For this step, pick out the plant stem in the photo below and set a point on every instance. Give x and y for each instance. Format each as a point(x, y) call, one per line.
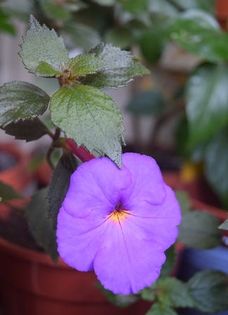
point(83, 154)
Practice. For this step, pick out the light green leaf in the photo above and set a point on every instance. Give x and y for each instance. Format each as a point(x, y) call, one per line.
point(7, 193)
point(41, 224)
point(90, 117)
point(199, 230)
point(216, 165)
point(21, 100)
point(118, 67)
point(224, 226)
point(42, 45)
point(46, 70)
point(83, 65)
point(158, 309)
point(207, 102)
point(210, 291)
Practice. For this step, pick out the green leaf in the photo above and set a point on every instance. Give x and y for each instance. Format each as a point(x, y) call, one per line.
point(136, 6)
point(216, 165)
point(199, 230)
point(41, 224)
point(46, 70)
point(199, 38)
point(21, 100)
point(7, 193)
point(158, 309)
point(83, 65)
point(169, 264)
point(120, 36)
point(224, 226)
point(81, 35)
point(151, 43)
point(147, 103)
point(119, 300)
point(118, 67)
point(28, 130)
point(210, 291)
point(184, 201)
point(60, 182)
point(42, 45)
point(207, 102)
point(5, 23)
point(90, 117)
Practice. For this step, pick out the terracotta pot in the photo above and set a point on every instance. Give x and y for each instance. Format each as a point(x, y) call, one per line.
point(30, 283)
point(222, 13)
point(18, 175)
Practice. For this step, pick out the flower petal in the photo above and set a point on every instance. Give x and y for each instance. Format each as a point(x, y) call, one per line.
point(95, 187)
point(147, 182)
point(125, 263)
point(79, 239)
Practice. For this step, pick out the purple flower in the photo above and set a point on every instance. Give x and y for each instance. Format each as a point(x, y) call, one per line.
point(118, 222)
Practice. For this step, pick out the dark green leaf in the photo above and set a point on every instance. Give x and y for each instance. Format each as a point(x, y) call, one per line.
point(209, 290)
point(147, 103)
point(41, 224)
point(28, 130)
point(224, 226)
point(7, 193)
point(151, 44)
point(60, 182)
point(207, 102)
point(21, 100)
point(136, 6)
point(158, 309)
point(184, 201)
point(5, 23)
point(42, 45)
point(199, 230)
point(120, 36)
point(170, 262)
point(216, 160)
point(90, 117)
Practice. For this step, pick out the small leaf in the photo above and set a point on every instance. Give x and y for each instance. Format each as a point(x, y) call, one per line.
point(147, 103)
point(60, 182)
point(158, 309)
point(118, 67)
point(7, 193)
point(207, 108)
point(42, 45)
point(28, 130)
point(199, 230)
point(216, 162)
point(46, 70)
point(21, 100)
point(210, 291)
point(224, 226)
point(83, 65)
point(41, 224)
point(90, 117)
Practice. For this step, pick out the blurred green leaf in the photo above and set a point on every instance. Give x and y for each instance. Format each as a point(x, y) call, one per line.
point(147, 103)
point(41, 224)
point(101, 130)
point(28, 130)
point(105, 2)
point(151, 44)
point(199, 230)
point(7, 193)
point(21, 100)
point(158, 309)
point(5, 23)
point(200, 38)
point(120, 36)
point(81, 35)
point(216, 165)
point(207, 102)
point(59, 183)
point(184, 201)
point(136, 6)
point(55, 10)
point(169, 292)
point(170, 262)
point(42, 45)
point(210, 291)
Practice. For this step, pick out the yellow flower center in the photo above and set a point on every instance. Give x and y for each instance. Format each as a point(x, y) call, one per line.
point(118, 216)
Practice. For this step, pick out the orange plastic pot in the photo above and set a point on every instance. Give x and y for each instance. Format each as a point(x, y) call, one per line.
point(18, 175)
point(30, 283)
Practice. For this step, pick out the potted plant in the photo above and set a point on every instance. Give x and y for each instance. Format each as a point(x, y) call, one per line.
point(69, 214)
